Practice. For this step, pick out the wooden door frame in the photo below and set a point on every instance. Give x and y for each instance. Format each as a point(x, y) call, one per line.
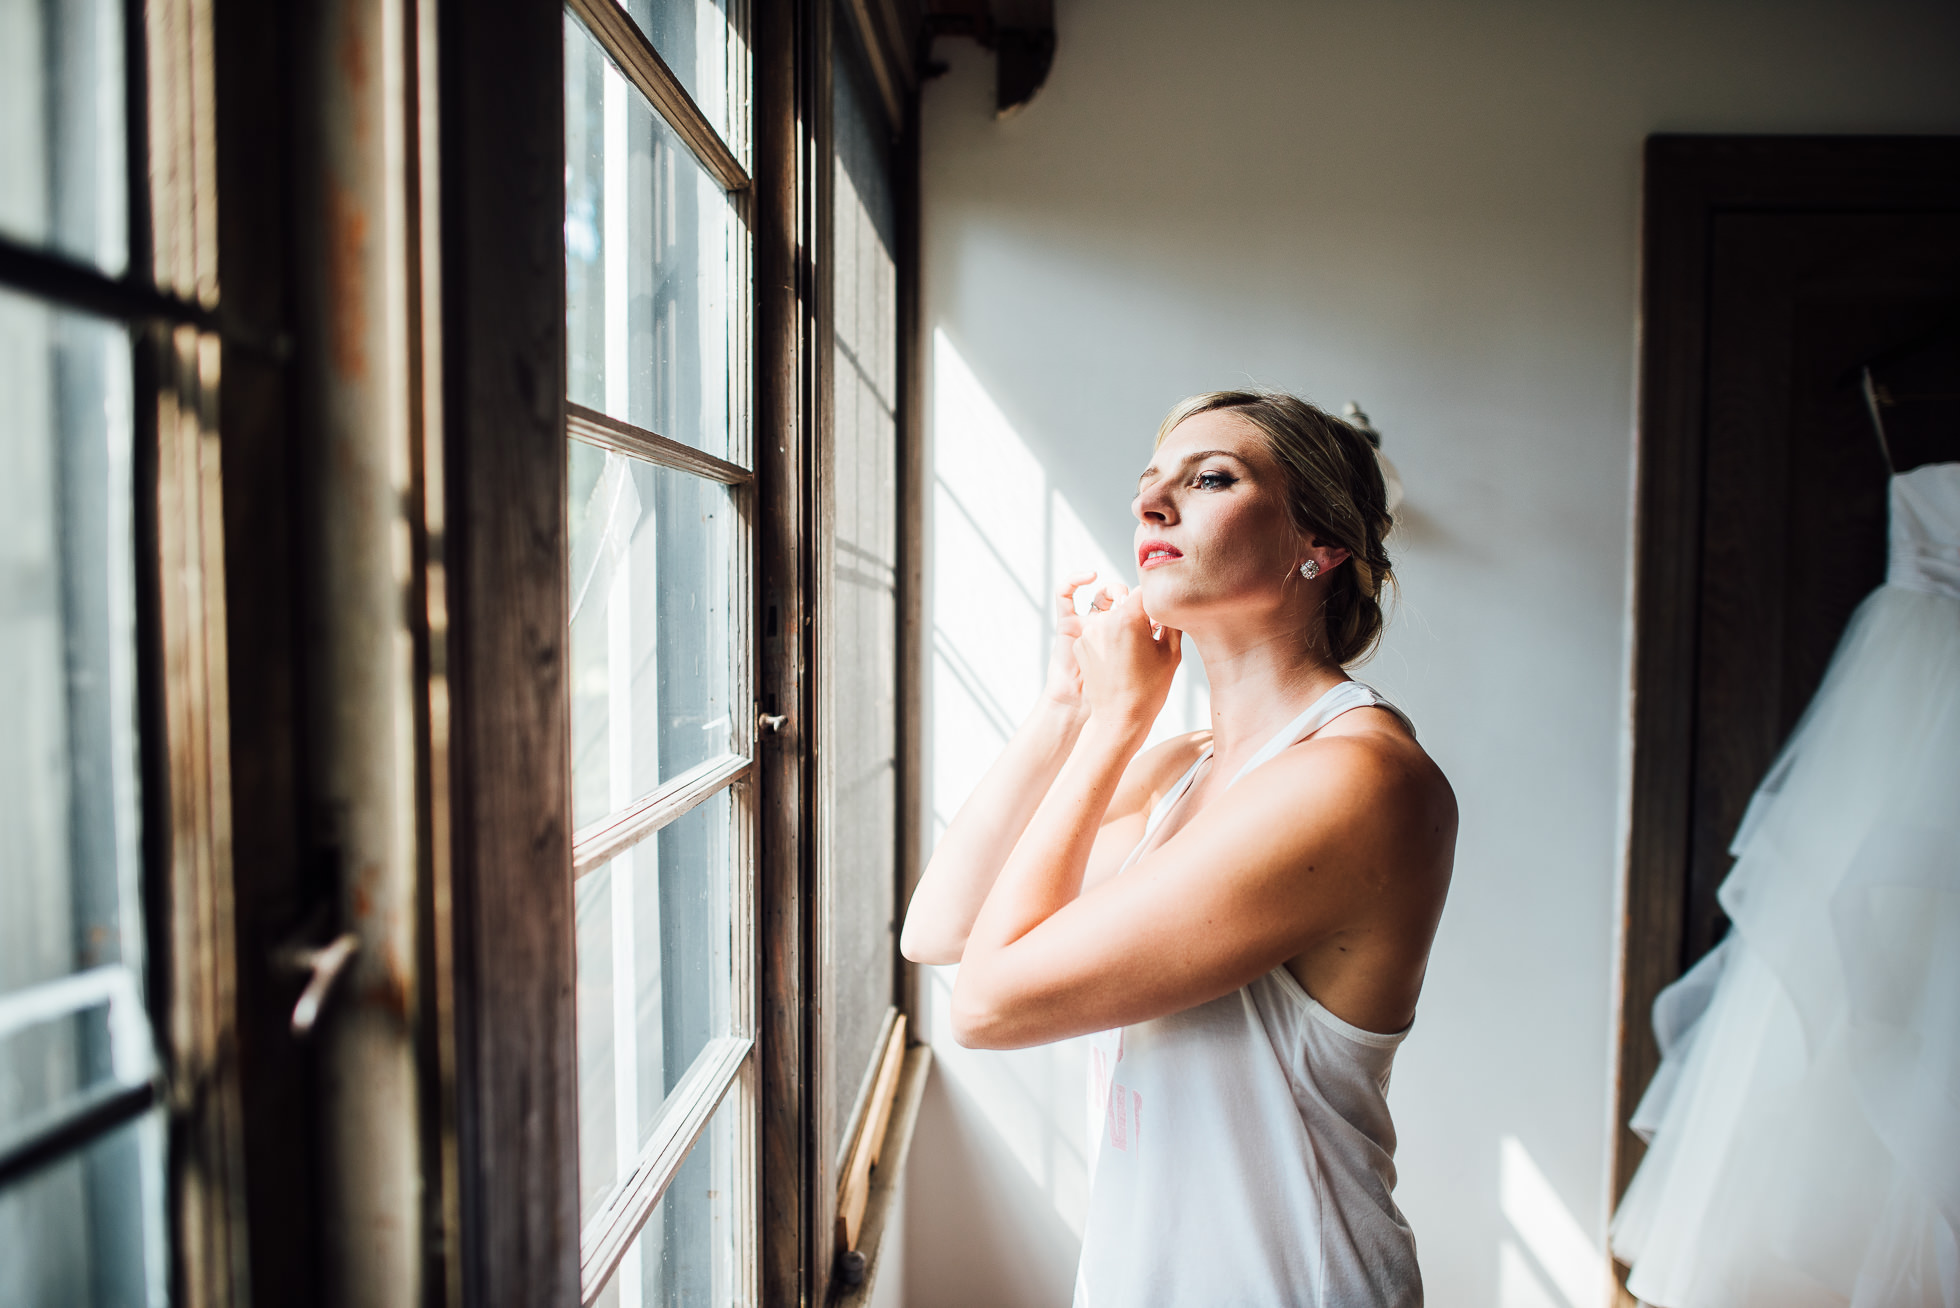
point(1689, 181)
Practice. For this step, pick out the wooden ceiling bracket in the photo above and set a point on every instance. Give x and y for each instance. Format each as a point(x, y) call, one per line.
point(1020, 33)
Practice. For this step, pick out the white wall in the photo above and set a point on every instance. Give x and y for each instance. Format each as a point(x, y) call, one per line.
point(1430, 207)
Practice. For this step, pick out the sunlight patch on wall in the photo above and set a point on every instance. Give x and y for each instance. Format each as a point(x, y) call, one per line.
point(1031, 1099)
point(1518, 1284)
point(1570, 1263)
point(989, 568)
point(1004, 538)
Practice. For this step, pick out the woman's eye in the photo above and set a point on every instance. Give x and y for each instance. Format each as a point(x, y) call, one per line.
point(1213, 481)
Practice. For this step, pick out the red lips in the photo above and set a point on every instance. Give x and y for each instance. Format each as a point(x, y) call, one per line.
point(1152, 553)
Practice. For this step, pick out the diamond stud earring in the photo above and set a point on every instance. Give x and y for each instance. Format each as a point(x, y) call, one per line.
point(1310, 569)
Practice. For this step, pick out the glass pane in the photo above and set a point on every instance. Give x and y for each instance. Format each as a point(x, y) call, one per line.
point(860, 729)
point(68, 756)
point(88, 1230)
point(652, 652)
point(63, 178)
point(649, 260)
point(62, 1039)
point(699, 43)
point(685, 1254)
point(654, 951)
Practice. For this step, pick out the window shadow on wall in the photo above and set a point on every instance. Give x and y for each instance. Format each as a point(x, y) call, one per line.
point(1002, 1140)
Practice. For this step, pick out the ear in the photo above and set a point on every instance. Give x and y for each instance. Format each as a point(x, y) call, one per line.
point(1330, 556)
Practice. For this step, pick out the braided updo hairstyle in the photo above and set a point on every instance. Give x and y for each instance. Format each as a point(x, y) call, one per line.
point(1334, 492)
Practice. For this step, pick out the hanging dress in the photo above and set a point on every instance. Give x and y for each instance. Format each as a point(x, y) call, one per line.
point(1241, 1151)
point(1805, 1121)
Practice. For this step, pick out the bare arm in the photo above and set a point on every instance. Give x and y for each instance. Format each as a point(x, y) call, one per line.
point(969, 856)
point(982, 834)
point(976, 845)
point(1252, 881)
point(1254, 878)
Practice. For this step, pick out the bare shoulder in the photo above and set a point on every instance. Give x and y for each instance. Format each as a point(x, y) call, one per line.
point(1366, 766)
point(1360, 843)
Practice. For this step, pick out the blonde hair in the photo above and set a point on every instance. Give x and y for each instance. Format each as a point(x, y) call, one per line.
point(1334, 493)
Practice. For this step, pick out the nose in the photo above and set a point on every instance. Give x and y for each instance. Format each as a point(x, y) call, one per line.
point(1153, 503)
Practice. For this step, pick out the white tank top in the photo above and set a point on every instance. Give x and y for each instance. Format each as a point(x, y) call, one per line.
point(1241, 1151)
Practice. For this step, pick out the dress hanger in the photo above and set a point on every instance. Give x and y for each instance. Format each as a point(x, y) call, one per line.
point(1876, 408)
point(1912, 393)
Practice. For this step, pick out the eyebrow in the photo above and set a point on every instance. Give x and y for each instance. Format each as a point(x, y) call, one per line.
point(1194, 458)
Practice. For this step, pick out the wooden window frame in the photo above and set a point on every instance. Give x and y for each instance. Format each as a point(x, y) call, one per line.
point(180, 339)
point(878, 1121)
point(724, 1067)
point(494, 1019)
point(503, 1203)
point(792, 51)
point(504, 654)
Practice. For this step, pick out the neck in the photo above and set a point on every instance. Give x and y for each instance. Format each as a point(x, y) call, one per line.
point(1258, 680)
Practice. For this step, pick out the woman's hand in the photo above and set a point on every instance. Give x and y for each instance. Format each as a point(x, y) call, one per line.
point(1064, 672)
point(1127, 661)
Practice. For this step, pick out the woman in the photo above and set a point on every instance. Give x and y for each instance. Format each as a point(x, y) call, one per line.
point(1243, 914)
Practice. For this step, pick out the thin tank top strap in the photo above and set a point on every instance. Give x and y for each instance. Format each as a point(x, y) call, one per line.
point(1343, 697)
point(1167, 803)
point(1346, 696)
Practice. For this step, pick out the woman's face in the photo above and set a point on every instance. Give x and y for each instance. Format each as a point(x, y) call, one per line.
point(1213, 533)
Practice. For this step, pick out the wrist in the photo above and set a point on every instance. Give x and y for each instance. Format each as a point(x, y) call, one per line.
point(1069, 715)
point(1120, 732)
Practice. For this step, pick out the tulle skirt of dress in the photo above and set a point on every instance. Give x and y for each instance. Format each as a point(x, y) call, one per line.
point(1805, 1122)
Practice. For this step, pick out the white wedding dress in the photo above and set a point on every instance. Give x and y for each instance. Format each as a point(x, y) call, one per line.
point(1805, 1122)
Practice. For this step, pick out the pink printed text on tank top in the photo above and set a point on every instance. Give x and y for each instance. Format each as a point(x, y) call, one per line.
point(1121, 1108)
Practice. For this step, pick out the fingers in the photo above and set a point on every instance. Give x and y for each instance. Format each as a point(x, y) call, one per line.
point(1109, 596)
point(1065, 597)
point(1126, 611)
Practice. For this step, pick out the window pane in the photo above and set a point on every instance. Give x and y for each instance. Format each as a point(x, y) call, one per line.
point(685, 1254)
point(63, 182)
point(62, 1039)
point(654, 958)
point(649, 245)
point(652, 653)
point(860, 729)
point(88, 1230)
point(698, 42)
point(68, 757)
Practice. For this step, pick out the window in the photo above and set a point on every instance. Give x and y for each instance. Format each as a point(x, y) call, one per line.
point(584, 876)
point(656, 257)
point(858, 603)
point(112, 755)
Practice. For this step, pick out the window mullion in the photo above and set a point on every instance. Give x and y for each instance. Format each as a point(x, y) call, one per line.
point(682, 1118)
point(619, 831)
point(608, 433)
point(64, 281)
point(622, 39)
point(88, 1118)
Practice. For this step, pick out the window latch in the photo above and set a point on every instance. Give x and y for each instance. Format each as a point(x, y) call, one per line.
point(322, 967)
point(772, 722)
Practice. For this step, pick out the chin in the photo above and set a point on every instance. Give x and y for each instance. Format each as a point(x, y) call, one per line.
point(1163, 601)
